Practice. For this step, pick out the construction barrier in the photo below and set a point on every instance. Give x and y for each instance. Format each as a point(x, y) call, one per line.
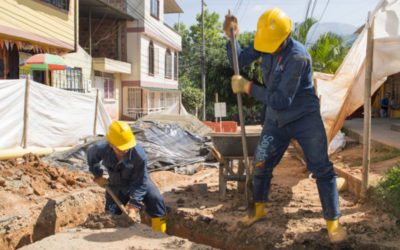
point(223, 126)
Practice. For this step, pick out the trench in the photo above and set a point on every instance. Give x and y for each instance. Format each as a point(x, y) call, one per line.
point(71, 210)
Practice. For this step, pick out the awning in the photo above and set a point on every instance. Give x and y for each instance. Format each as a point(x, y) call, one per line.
point(161, 89)
point(100, 8)
point(170, 7)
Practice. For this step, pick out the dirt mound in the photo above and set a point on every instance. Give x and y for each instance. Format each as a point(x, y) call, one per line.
point(30, 176)
point(107, 220)
point(186, 122)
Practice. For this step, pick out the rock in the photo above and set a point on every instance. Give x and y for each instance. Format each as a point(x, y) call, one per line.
point(242, 208)
point(2, 182)
point(203, 207)
point(200, 188)
point(341, 184)
point(180, 201)
point(37, 190)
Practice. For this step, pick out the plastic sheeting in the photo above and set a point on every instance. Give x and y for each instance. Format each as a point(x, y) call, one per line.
point(343, 93)
point(168, 147)
point(56, 117)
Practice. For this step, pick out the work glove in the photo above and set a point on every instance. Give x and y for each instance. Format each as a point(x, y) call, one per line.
point(230, 23)
point(133, 213)
point(240, 84)
point(101, 181)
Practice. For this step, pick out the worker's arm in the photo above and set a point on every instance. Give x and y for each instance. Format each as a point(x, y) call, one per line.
point(246, 56)
point(286, 82)
point(139, 179)
point(95, 156)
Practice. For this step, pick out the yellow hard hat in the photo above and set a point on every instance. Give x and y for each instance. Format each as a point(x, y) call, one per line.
point(120, 135)
point(273, 27)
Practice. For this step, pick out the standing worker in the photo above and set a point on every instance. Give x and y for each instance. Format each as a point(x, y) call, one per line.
point(129, 179)
point(292, 111)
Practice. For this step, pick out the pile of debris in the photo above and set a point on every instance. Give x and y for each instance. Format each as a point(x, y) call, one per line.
point(29, 175)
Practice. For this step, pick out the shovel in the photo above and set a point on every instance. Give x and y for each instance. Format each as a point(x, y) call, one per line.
point(122, 207)
point(249, 180)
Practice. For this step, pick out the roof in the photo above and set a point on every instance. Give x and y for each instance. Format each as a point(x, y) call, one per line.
point(170, 6)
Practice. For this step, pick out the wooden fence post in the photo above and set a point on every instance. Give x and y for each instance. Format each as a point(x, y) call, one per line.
point(367, 105)
point(95, 112)
point(26, 113)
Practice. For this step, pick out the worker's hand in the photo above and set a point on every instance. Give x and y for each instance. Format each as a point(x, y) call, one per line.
point(133, 213)
point(230, 23)
point(101, 181)
point(240, 84)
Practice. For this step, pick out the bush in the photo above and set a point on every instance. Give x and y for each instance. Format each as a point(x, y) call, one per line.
point(389, 187)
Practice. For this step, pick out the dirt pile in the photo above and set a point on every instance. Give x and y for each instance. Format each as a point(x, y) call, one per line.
point(107, 220)
point(30, 176)
point(186, 122)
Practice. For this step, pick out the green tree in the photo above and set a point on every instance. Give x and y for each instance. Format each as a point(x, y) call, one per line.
point(328, 53)
point(301, 30)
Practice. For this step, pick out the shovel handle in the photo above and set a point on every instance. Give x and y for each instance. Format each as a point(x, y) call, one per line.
point(249, 186)
point(116, 200)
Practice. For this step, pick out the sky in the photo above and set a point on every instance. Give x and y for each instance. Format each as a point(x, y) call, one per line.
point(353, 12)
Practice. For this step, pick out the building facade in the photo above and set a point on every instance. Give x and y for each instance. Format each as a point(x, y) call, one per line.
point(35, 26)
point(153, 49)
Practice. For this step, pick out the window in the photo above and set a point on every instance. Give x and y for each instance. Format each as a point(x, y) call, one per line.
point(154, 8)
point(108, 88)
point(175, 66)
point(151, 58)
point(168, 64)
point(62, 4)
point(68, 79)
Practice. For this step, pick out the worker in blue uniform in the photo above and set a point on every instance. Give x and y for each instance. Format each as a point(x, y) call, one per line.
point(129, 179)
point(291, 111)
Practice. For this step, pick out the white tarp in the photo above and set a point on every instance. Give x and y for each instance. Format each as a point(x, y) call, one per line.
point(343, 93)
point(56, 117)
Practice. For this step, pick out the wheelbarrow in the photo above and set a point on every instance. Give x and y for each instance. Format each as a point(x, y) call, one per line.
point(227, 149)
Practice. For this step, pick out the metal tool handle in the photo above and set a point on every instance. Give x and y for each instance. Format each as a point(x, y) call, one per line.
point(249, 185)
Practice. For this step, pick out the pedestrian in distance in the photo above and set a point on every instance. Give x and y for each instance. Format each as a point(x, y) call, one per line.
point(385, 105)
point(129, 179)
point(292, 111)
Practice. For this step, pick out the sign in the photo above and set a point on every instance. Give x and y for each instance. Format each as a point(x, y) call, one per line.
point(220, 109)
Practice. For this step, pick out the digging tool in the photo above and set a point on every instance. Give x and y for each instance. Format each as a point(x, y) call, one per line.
point(249, 180)
point(116, 200)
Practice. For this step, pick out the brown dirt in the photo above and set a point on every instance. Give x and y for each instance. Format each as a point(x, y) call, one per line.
point(107, 220)
point(294, 216)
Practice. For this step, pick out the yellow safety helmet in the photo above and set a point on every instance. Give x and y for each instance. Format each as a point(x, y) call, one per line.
point(273, 27)
point(120, 135)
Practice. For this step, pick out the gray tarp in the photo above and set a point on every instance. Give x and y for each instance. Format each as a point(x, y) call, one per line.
point(167, 147)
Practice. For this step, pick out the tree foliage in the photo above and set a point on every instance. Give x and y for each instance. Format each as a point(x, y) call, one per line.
point(328, 53)
point(217, 67)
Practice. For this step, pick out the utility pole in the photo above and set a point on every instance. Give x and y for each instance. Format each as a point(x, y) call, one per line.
point(203, 59)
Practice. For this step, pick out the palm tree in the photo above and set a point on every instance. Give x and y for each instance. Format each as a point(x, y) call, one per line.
point(328, 53)
point(301, 30)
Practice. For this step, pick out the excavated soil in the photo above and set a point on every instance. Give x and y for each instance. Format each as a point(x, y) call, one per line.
point(195, 211)
point(107, 220)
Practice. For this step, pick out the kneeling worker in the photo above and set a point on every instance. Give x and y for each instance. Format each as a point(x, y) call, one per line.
point(129, 179)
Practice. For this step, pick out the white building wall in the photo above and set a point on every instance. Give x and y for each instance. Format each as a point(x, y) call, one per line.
point(83, 60)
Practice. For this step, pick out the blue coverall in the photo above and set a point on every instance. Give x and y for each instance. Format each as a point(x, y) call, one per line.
point(129, 178)
point(292, 111)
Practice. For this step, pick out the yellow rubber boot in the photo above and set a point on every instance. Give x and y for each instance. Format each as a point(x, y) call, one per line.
point(259, 215)
point(335, 231)
point(159, 224)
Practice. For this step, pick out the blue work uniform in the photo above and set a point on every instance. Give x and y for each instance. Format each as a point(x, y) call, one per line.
point(129, 178)
point(291, 111)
